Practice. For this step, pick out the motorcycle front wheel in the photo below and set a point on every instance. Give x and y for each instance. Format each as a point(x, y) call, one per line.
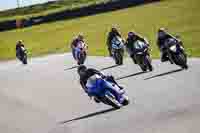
point(148, 63)
point(126, 100)
point(24, 61)
point(182, 61)
point(81, 58)
point(113, 102)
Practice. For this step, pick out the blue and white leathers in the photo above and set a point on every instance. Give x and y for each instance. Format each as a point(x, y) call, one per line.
point(99, 87)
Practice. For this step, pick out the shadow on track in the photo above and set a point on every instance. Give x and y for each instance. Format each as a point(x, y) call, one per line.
point(89, 115)
point(163, 74)
point(73, 67)
point(109, 67)
point(131, 75)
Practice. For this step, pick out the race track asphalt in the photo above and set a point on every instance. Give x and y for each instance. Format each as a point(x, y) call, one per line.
point(45, 97)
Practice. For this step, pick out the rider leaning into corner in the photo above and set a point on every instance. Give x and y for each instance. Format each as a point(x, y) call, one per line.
point(75, 42)
point(131, 39)
point(85, 73)
point(113, 33)
point(163, 36)
point(19, 50)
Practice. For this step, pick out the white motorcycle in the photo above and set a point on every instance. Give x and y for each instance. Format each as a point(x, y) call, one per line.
point(142, 56)
point(117, 50)
point(176, 53)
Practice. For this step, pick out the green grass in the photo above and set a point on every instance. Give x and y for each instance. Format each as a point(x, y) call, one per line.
point(46, 8)
point(181, 17)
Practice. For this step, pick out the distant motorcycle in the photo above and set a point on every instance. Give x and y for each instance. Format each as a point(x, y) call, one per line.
point(142, 56)
point(22, 55)
point(117, 50)
point(107, 92)
point(176, 53)
point(81, 53)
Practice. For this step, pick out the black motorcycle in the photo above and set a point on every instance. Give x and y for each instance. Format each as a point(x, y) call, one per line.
point(142, 56)
point(176, 53)
point(22, 55)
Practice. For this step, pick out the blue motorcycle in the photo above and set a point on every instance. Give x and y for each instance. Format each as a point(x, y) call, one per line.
point(117, 50)
point(106, 92)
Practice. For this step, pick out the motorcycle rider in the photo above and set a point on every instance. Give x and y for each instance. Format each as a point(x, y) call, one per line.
point(113, 33)
point(74, 44)
point(19, 50)
point(85, 73)
point(131, 39)
point(163, 36)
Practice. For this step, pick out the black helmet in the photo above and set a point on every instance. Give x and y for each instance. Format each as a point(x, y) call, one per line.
point(131, 34)
point(81, 68)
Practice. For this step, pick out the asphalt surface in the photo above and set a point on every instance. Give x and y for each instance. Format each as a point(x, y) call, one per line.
point(45, 97)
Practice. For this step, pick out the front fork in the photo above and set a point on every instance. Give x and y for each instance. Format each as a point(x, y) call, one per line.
point(114, 91)
point(170, 56)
